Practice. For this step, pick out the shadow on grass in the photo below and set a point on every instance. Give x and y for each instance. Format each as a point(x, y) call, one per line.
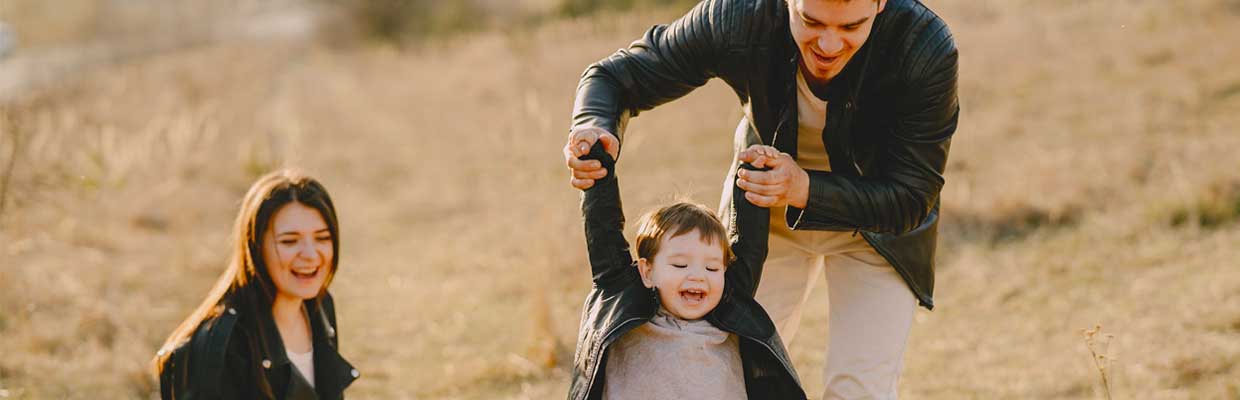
point(1008, 226)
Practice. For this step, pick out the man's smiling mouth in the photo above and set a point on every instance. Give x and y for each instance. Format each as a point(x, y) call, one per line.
point(824, 60)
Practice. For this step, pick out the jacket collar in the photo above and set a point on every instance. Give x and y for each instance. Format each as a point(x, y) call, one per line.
point(274, 356)
point(332, 372)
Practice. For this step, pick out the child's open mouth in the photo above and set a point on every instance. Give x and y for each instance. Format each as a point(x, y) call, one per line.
point(693, 296)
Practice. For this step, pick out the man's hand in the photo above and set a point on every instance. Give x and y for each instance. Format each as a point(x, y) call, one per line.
point(579, 142)
point(785, 184)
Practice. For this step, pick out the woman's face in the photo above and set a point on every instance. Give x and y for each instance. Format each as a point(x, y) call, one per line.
point(297, 249)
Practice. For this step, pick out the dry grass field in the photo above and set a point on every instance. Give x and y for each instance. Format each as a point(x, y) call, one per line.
point(1093, 180)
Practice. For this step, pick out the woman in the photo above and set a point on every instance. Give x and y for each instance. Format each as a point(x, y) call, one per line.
point(267, 330)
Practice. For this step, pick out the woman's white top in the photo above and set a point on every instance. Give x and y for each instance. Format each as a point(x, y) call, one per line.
point(304, 363)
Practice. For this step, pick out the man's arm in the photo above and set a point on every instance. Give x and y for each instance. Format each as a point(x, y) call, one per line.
point(668, 62)
point(911, 162)
point(610, 258)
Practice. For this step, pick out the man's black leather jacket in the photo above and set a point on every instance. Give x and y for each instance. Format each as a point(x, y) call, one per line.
point(619, 301)
point(891, 113)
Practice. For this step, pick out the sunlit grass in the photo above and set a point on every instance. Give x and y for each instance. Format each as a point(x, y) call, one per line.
point(1087, 131)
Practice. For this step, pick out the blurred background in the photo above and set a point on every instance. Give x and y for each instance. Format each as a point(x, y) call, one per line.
point(1092, 181)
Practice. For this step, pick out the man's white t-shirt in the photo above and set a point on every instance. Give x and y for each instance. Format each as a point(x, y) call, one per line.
point(811, 155)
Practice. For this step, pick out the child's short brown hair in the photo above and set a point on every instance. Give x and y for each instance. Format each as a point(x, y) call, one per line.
point(678, 219)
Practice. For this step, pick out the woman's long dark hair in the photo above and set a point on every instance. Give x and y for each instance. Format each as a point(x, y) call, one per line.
point(246, 284)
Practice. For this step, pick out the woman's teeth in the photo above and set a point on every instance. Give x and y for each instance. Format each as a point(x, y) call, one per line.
point(305, 274)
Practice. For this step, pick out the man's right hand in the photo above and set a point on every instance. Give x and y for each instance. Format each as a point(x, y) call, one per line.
point(579, 142)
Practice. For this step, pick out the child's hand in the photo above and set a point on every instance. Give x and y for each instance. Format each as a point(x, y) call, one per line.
point(759, 155)
point(584, 172)
point(781, 182)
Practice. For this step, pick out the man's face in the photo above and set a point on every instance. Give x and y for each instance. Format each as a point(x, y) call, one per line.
point(829, 32)
point(688, 273)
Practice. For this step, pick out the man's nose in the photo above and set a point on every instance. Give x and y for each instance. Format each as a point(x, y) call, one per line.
point(830, 42)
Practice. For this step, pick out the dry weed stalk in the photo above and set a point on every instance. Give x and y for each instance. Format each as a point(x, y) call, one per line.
point(543, 344)
point(1099, 345)
point(8, 130)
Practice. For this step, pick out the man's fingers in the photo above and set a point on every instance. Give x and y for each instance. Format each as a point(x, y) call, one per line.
point(779, 159)
point(581, 140)
point(582, 184)
point(611, 144)
point(754, 152)
point(748, 155)
point(590, 175)
point(581, 146)
point(577, 164)
point(760, 177)
point(584, 172)
point(765, 190)
point(760, 200)
point(760, 162)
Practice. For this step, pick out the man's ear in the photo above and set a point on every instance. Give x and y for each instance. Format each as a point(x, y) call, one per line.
point(644, 267)
point(882, 5)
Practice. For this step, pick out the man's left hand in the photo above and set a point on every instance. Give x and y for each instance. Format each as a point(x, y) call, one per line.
point(784, 184)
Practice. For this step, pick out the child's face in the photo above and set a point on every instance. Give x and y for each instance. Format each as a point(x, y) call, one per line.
point(688, 273)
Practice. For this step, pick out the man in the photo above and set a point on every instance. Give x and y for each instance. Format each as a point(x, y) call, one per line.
point(859, 96)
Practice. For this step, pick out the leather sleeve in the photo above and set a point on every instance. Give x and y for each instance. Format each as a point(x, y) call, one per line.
point(668, 62)
point(748, 231)
point(911, 160)
point(206, 366)
point(611, 263)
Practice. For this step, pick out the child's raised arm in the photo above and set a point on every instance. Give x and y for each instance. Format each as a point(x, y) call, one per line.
point(748, 230)
point(610, 258)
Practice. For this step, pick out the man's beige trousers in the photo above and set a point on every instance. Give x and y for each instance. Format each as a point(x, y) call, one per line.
point(870, 312)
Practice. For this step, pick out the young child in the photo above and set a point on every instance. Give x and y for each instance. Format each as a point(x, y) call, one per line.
point(679, 322)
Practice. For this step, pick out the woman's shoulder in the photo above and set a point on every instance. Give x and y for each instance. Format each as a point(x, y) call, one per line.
point(220, 339)
point(213, 348)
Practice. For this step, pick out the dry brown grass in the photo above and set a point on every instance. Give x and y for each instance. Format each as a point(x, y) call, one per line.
point(1088, 184)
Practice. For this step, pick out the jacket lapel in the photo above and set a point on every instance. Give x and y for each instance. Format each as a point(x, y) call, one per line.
point(783, 95)
point(332, 373)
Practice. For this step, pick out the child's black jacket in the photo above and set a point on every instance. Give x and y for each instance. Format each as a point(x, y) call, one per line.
point(619, 302)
